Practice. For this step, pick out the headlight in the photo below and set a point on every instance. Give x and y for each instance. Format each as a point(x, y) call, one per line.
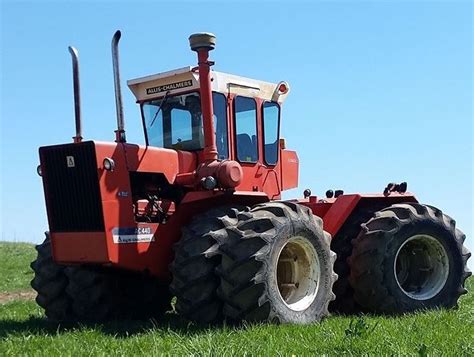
point(109, 164)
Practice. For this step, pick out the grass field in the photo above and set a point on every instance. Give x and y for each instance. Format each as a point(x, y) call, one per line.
point(23, 330)
point(15, 272)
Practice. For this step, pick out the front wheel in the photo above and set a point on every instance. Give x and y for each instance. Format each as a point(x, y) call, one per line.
point(277, 266)
point(194, 281)
point(50, 282)
point(409, 257)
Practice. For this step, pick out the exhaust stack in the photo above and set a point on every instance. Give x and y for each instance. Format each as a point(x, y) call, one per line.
point(77, 93)
point(120, 132)
point(202, 43)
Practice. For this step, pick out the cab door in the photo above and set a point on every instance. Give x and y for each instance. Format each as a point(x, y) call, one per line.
point(270, 126)
point(256, 152)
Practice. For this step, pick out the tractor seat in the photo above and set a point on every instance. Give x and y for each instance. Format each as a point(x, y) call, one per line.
point(245, 148)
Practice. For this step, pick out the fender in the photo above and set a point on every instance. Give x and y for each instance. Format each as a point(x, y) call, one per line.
point(335, 212)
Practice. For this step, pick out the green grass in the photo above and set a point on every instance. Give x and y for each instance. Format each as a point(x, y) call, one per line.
point(23, 331)
point(15, 272)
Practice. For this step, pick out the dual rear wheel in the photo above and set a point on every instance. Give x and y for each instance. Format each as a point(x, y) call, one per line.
point(408, 257)
point(269, 263)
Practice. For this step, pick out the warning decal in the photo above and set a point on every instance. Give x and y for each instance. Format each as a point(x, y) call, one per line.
point(142, 234)
point(171, 86)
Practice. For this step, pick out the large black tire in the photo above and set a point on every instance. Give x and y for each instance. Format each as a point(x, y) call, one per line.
point(50, 283)
point(273, 245)
point(341, 244)
point(193, 269)
point(81, 293)
point(409, 257)
point(144, 296)
point(100, 294)
point(94, 293)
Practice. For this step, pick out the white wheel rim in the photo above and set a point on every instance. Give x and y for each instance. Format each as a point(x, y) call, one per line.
point(298, 273)
point(421, 267)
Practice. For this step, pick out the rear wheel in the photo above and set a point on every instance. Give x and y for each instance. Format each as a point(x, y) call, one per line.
point(277, 266)
point(196, 256)
point(409, 257)
point(342, 246)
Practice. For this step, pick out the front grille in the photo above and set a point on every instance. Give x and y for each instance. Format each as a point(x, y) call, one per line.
point(71, 187)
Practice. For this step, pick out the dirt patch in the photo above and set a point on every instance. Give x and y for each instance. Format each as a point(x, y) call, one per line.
point(17, 295)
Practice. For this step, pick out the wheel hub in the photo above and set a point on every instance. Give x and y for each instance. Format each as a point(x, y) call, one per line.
point(421, 267)
point(298, 273)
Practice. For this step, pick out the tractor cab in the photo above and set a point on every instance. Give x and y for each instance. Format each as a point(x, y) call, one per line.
point(246, 121)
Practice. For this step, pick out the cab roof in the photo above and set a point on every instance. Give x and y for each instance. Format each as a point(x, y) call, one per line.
point(187, 79)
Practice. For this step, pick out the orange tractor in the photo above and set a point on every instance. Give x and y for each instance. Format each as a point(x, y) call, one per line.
point(196, 214)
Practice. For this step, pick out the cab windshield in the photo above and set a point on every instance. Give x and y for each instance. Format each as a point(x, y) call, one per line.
point(175, 122)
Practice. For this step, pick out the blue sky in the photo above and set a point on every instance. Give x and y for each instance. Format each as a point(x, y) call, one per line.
point(381, 91)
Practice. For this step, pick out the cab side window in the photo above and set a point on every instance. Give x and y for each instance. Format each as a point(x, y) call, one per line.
point(271, 124)
point(220, 124)
point(245, 113)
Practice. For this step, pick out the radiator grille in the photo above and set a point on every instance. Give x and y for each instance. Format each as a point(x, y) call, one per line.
point(72, 188)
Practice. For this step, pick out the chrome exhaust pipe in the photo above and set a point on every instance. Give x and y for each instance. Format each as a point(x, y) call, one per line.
point(120, 132)
point(77, 93)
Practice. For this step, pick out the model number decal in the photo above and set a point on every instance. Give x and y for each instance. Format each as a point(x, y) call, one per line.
point(143, 234)
point(143, 230)
point(171, 86)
